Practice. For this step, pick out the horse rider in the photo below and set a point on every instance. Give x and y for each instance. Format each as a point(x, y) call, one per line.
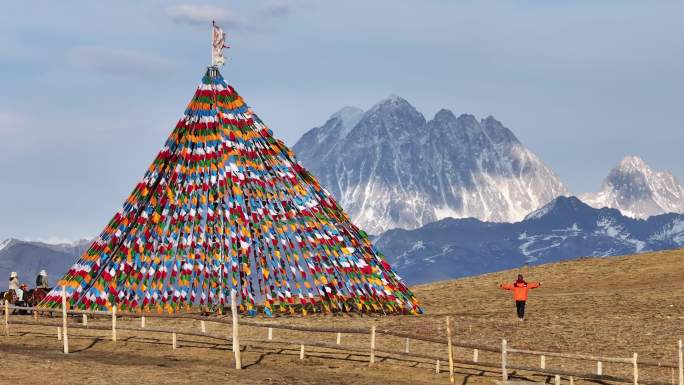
point(14, 285)
point(42, 280)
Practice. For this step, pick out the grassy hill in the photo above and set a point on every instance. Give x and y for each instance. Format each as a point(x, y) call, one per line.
point(603, 306)
point(614, 305)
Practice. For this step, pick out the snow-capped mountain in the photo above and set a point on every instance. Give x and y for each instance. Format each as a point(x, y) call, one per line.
point(637, 191)
point(390, 168)
point(28, 258)
point(565, 228)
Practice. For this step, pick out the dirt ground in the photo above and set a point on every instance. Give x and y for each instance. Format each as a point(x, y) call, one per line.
point(608, 307)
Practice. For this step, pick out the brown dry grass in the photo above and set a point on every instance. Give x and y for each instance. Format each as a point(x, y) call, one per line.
point(609, 307)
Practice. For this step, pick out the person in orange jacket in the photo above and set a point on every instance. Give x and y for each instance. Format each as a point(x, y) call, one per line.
point(520, 288)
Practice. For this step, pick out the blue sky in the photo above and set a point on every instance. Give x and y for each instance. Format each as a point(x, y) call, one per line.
point(90, 89)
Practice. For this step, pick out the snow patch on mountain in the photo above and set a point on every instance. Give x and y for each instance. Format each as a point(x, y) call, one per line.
point(673, 232)
point(6, 243)
point(609, 227)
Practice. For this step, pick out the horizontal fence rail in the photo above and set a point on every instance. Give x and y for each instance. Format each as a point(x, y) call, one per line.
point(371, 331)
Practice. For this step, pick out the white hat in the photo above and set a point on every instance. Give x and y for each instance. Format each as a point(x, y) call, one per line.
point(14, 274)
point(43, 273)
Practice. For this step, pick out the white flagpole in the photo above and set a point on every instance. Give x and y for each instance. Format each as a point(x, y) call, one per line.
point(212, 42)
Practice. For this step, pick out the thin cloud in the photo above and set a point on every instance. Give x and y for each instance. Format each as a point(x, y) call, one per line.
point(120, 62)
point(202, 14)
point(275, 9)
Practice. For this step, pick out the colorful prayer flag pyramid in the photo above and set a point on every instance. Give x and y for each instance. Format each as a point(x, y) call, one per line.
point(226, 206)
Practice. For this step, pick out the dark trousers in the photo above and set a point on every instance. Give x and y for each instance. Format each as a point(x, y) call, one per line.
point(520, 306)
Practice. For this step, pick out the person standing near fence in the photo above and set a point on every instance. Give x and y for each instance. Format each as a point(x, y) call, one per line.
point(520, 288)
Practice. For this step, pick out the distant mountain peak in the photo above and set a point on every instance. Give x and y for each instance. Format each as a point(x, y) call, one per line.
point(393, 98)
point(637, 191)
point(497, 132)
point(395, 169)
point(348, 118)
point(559, 206)
point(469, 120)
point(444, 115)
point(347, 113)
point(392, 102)
point(633, 162)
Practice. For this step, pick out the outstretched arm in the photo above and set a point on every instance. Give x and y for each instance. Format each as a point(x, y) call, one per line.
point(533, 285)
point(506, 286)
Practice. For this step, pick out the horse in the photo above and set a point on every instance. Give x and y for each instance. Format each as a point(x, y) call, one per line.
point(10, 297)
point(35, 296)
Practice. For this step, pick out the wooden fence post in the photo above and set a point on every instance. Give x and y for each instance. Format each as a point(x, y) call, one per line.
point(6, 318)
point(680, 354)
point(173, 341)
point(451, 350)
point(437, 367)
point(270, 334)
point(142, 322)
point(84, 319)
point(476, 353)
point(339, 338)
point(372, 347)
point(557, 380)
point(636, 369)
point(114, 323)
point(599, 368)
point(65, 335)
point(301, 352)
point(542, 361)
point(408, 342)
point(203, 326)
point(59, 333)
point(236, 338)
point(572, 380)
point(504, 372)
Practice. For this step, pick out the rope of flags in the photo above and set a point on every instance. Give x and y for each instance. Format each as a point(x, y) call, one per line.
point(226, 206)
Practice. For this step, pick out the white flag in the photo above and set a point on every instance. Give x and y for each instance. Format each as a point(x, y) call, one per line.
point(218, 43)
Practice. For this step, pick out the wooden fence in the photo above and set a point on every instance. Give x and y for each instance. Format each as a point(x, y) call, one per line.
point(373, 331)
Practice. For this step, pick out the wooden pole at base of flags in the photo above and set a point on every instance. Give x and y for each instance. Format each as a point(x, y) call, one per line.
point(372, 347)
point(65, 335)
point(680, 354)
point(114, 323)
point(636, 369)
point(6, 318)
point(236, 338)
point(451, 350)
point(504, 357)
